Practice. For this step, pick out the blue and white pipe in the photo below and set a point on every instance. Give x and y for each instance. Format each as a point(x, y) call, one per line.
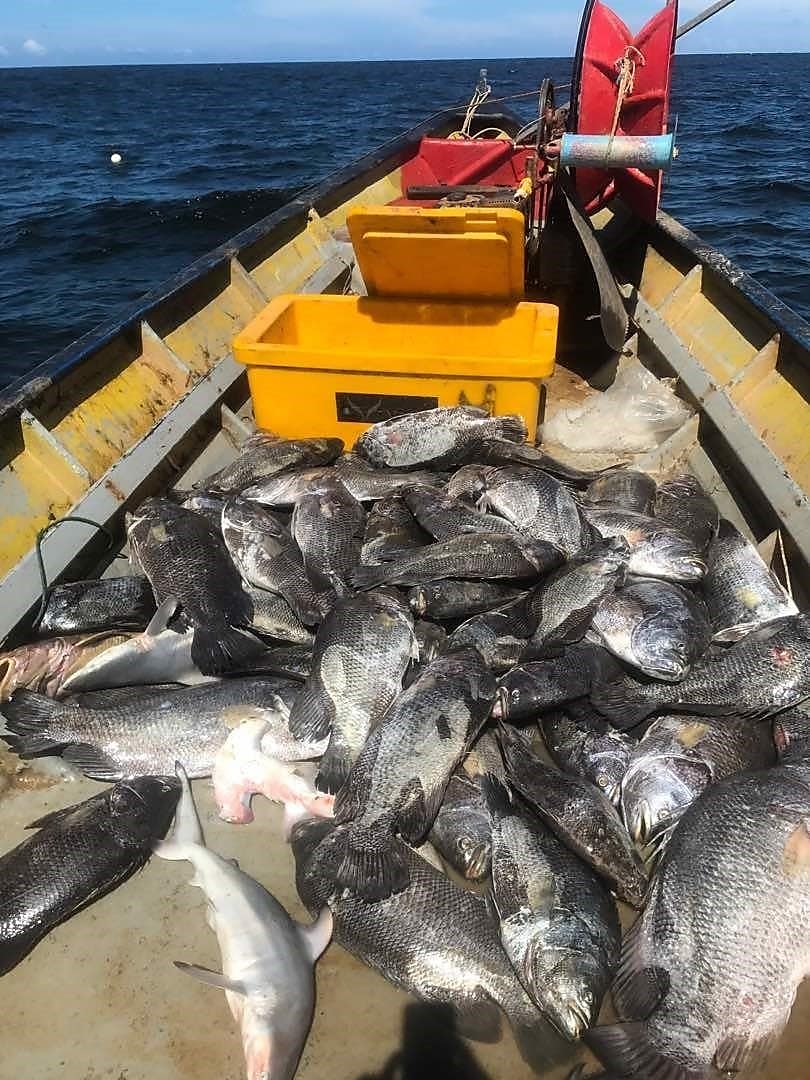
point(650, 152)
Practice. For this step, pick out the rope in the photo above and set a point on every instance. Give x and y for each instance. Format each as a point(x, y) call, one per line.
point(480, 95)
point(626, 70)
point(43, 576)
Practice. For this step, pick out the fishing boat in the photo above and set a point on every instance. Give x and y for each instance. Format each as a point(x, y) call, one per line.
point(155, 399)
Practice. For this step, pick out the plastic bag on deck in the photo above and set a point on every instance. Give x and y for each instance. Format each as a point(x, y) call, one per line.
point(637, 412)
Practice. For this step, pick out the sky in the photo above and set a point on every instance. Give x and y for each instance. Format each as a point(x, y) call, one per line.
point(55, 32)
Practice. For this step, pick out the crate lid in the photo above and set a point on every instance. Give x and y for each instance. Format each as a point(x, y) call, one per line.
point(464, 253)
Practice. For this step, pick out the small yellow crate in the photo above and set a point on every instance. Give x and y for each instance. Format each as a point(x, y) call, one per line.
point(332, 365)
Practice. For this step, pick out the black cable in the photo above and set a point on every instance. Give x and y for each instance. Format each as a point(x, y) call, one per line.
point(43, 576)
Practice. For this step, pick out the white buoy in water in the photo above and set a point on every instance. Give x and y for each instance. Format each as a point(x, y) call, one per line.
point(116, 159)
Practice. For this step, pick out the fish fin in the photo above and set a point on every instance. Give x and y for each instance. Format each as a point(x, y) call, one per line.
point(479, 1020)
point(317, 935)
point(211, 978)
point(187, 828)
point(417, 810)
point(25, 707)
point(311, 716)
point(368, 863)
point(573, 628)
point(162, 617)
point(639, 985)
point(366, 577)
point(625, 1049)
point(511, 427)
point(619, 704)
point(496, 795)
point(92, 761)
point(31, 745)
point(28, 716)
point(334, 767)
point(217, 649)
point(738, 1055)
point(51, 818)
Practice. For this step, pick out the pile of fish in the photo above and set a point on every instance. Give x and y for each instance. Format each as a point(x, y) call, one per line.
point(496, 695)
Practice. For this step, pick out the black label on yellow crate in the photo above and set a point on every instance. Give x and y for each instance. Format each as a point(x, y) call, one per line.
point(371, 408)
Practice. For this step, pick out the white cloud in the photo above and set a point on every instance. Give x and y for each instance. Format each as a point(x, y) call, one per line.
point(32, 46)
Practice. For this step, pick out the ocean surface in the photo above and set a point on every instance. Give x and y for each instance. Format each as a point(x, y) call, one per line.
point(208, 150)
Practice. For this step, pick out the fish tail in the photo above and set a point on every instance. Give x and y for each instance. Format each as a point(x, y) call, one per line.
point(334, 768)
point(34, 724)
point(626, 1050)
point(369, 863)
point(511, 427)
point(366, 577)
point(217, 649)
point(623, 707)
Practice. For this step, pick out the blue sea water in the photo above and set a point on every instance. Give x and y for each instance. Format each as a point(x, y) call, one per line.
point(208, 149)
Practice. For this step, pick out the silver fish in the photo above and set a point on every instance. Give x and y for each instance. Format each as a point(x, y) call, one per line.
point(500, 636)
point(564, 604)
point(262, 456)
point(657, 549)
point(273, 616)
point(362, 650)
point(445, 517)
point(398, 781)
point(656, 626)
point(537, 504)
point(205, 503)
point(184, 557)
point(142, 736)
point(624, 488)
point(741, 592)
point(709, 973)
point(682, 503)
point(677, 758)
point(268, 558)
point(452, 599)
point(462, 831)
point(480, 556)
point(558, 923)
point(433, 939)
point(285, 489)
point(391, 530)
point(121, 603)
point(584, 744)
point(438, 437)
point(756, 678)
point(267, 959)
point(328, 525)
point(368, 484)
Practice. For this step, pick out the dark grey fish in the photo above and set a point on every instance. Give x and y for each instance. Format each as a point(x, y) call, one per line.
point(391, 530)
point(584, 744)
point(500, 636)
point(328, 525)
point(115, 695)
point(558, 922)
point(287, 661)
point(624, 488)
point(397, 783)
point(273, 617)
point(445, 517)
point(580, 815)
point(484, 756)
point(286, 488)
point(741, 592)
point(657, 549)
point(564, 604)
point(361, 653)
point(753, 679)
point(451, 599)
point(368, 484)
point(682, 503)
point(709, 973)
point(433, 939)
point(435, 437)
point(144, 735)
point(531, 688)
point(791, 734)
point(77, 855)
point(677, 758)
point(537, 504)
point(262, 456)
point(656, 626)
point(480, 556)
point(122, 603)
point(501, 452)
point(205, 503)
point(430, 638)
point(269, 558)
point(462, 831)
point(184, 557)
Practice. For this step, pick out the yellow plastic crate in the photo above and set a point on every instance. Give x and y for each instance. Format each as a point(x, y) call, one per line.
point(332, 365)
